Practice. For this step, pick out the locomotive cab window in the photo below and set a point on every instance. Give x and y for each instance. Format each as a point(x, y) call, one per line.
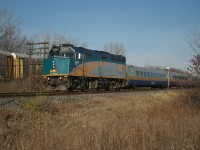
point(66, 52)
point(54, 51)
point(62, 51)
point(77, 56)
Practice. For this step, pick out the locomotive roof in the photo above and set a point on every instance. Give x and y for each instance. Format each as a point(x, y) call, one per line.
point(56, 50)
point(85, 50)
point(90, 51)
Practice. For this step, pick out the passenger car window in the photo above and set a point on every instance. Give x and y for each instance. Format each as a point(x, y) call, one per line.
point(141, 74)
point(148, 74)
point(137, 73)
point(145, 74)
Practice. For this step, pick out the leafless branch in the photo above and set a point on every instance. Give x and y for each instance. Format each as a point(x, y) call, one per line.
point(115, 48)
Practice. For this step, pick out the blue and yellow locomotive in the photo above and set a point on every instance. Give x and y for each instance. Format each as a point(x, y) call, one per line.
point(81, 68)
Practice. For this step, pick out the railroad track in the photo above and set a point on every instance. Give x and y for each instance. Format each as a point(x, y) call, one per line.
point(25, 94)
point(6, 98)
point(52, 93)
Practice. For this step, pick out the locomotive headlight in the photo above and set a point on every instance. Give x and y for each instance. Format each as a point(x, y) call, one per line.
point(53, 65)
point(44, 78)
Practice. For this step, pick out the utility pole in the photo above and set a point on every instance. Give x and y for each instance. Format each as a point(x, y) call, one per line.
point(83, 70)
point(168, 78)
point(40, 49)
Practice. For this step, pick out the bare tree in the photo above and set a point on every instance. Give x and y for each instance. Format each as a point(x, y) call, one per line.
point(194, 43)
point(11, 38)
point(62, 39)
point(115, 48)
point(83, 45)
point(59, 39)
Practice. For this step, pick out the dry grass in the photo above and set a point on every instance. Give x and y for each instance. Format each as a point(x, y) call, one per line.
point(21, 85)
point(142, 121)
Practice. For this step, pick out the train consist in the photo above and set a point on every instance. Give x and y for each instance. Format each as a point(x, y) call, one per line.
point(79, 68)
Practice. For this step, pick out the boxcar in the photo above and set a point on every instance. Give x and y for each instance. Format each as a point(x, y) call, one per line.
point(16, 65)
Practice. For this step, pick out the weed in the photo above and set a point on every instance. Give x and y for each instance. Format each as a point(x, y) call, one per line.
point(151, 121)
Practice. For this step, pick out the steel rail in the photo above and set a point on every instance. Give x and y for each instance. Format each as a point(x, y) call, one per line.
point(26, 94)
point(78, 92)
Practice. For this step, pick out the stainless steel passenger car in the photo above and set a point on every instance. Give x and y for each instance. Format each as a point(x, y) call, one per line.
point(159, 78)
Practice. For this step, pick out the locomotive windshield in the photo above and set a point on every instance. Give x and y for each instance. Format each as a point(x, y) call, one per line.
point(62, 51)
point(54, 51)
point(66, 52)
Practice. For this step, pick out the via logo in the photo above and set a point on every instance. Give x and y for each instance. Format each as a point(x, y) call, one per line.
point(76, 63)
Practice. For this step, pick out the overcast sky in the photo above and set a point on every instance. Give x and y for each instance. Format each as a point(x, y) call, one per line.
point(152, 31)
